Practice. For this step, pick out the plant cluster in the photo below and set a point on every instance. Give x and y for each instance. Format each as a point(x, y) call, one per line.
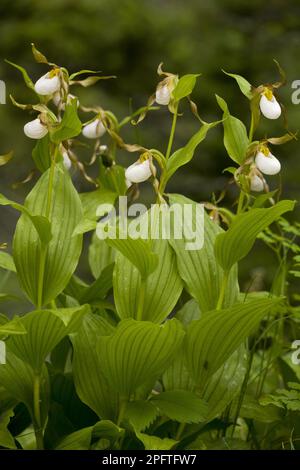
point(162, 350)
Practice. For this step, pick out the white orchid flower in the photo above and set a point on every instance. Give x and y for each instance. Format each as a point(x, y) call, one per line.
point(163, 95)
point(138, 171)
point(257, 184)
point(66, 160)
point(48, 83)
point(267, 163)
point(94, 129)
point(35, 129)
point(269, 106)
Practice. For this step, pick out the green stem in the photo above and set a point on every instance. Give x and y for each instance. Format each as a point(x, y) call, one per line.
point(37, 412)
point(241, 202)
point(171, 138)
point(122, 409)
point(223, 290)
point(139, 314)
point(251, 132)
point(44, 248)
point(180, 431)
point(243, 390)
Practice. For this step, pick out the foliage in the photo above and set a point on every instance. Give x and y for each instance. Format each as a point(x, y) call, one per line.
point(162, 349)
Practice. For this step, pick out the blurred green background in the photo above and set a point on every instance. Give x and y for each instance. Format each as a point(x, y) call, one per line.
point(128, 38)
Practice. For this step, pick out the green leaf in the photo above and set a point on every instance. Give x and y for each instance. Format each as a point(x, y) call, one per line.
point(26, 77)
point(12, 327)
point(45, 329)
point(162, 288)
point(70, 126)
point(183, 155)
point(100, 255)
point(236, 139)
point(211, 340)
point(17, 377)
point(41, 223)
point(99, 289)
point(6, 439)
point(185, 86)
point(138, 252)
point(236, 243)
point(251, 409)
point(199, 268)
point(123, 359)
point(155, 443)
point(41, 154)
point(224, 385)
point(78, 440)
point(44, 272)
point(90, 383)
point(92, 200)
point(181, 405)
point(244, 85)
point(141, 414)
point(7, 262)
point(113, 178)
point(6, 158)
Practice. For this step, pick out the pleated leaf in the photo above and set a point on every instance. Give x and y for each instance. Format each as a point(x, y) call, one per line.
point(100, 255)
point(12, 327)
point(235, 244)
point(223, 386)
point(90, 383)
point(44, 273)
point(138, 352)
point(162, 288)
point(45, 329)
point(181, 405)
point(211, 340)
point(199, 268)
point(17, 377)
point(138, 252)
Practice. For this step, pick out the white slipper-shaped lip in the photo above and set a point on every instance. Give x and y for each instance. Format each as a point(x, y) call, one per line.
point(47, 85)
point(94, 129)
point(138, 172)
point(267, 164)
point(270, 108)
point(35, 129)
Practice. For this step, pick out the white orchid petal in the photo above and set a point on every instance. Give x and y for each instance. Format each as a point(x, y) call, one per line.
point(257, 184)
point(163, 95)
point(47, 85)
point(267, 164)
point(66, 160)
point(270, 108)
point(94, 129)
point(35, 129)
point(138, 172)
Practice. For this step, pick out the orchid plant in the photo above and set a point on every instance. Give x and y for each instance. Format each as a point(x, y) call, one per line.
point(162, 350)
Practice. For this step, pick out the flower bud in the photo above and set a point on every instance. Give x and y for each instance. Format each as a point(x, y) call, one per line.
point(138, 171)
point(256, 184)
point(269, 106)
point(48, 83)
point(35, 129)
point(94, 129)
point(103, 149)
point(267, 163)
point(163, 95)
